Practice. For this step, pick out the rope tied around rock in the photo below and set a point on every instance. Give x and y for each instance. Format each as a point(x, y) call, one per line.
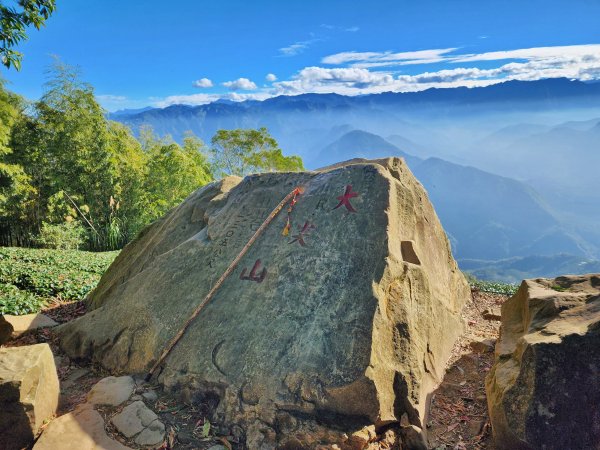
point(292, 198)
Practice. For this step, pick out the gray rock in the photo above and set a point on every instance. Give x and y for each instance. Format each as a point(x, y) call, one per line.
point(133, 419)
point(82, 429)
point(544, 388)
point(111, 391)
point(150, 396)
point(29, 393)
point(151, 435)
point(353, 314)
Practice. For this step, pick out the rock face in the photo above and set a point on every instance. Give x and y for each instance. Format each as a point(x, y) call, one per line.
point(544, 388)
point(28, 393)
point(349, 319)
point(6, 330)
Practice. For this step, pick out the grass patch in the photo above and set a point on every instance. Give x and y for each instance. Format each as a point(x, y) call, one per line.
point(30, 278)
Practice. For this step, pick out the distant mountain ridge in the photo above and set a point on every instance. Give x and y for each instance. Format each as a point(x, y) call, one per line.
point(510, 168)
point(486, 216)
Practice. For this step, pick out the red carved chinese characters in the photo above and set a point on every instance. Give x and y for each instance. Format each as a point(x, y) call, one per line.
point(345, 199)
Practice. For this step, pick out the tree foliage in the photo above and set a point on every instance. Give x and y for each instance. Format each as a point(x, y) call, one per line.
point(13, 24)
point(174, 171)
point(243, 151)
point(64, 167)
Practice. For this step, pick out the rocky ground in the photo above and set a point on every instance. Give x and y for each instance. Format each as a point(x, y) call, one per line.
point(458, 412)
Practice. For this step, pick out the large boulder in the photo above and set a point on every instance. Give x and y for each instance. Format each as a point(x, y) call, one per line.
point(544, 388)
point(29, 393)
point(348, 320)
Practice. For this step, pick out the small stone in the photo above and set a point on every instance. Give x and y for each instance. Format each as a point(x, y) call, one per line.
point(6, 330)
point(29, 393)
point(134, 418)
point(152, 435)
point(27, 322)
point(82, 429)
point(217, 447)
point(111, 391)
point(485, 346)
point(150, 396)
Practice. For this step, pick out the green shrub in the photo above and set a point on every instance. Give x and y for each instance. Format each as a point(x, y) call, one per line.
point(16, 302)
point(43, 274)
point(494, 287)
point(63, 236)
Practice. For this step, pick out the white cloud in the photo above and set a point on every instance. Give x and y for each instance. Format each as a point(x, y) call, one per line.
point(580, 62)
point(356, 81)
point(380, 59)
point(271, 77)
point(193, 99)
point(240, 84)
point(203, 99)
point(352, 29)
point(203, 83)
point(297, 47)
point(536, 53)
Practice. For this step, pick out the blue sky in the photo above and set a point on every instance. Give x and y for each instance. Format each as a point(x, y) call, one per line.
point(138, 53)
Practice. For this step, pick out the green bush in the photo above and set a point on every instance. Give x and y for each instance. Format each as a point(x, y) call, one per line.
point(29, 278)
point(494, 287)
point(16, 302)
point(63, 236)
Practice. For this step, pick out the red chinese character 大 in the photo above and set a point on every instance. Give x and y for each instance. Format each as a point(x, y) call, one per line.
point(345, 199)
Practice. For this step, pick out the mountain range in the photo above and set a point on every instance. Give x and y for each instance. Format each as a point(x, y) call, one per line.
point(510, 168)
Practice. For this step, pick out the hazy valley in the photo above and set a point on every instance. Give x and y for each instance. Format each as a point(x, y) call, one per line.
point(511, 168)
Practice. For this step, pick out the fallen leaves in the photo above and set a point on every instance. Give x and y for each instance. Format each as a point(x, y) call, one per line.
point(458, 413)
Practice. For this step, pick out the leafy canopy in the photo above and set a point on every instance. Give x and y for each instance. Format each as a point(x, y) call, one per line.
point(13, 23)
point(243, 151)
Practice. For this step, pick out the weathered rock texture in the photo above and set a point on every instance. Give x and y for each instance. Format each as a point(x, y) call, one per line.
point(28, 393)
point(27, 322)
point(351, 321)
point(82, 429)
point(544, 389)
point(6, 330)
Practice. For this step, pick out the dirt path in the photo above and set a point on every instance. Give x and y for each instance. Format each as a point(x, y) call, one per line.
point(458, 412)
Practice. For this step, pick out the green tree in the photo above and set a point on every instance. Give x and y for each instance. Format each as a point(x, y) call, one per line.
point(14, 182)
point(13, 23)
point(243, 151)
point(174, 171)
point(81, 166)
